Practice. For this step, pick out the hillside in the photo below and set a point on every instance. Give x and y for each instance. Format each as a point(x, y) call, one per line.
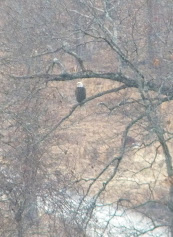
point(64, 165)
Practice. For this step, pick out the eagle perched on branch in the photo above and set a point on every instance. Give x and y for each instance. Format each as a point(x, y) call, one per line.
point(80, 92)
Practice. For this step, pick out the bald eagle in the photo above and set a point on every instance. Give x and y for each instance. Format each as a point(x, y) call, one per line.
point(80, 92)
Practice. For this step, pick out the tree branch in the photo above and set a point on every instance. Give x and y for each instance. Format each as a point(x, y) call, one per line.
point(117, 77)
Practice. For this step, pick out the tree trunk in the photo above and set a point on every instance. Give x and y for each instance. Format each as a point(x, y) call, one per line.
point(150, 32)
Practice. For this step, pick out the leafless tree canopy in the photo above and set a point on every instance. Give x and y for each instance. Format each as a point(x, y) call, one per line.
point(102, 167)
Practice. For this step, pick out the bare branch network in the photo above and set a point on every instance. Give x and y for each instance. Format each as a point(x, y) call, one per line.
point(101, 167)
point(117, 77)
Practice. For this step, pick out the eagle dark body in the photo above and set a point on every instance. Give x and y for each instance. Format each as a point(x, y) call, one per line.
point(80, 94)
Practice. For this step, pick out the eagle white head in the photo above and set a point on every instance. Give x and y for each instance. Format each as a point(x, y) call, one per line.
point(55, 60)
point(80, 84)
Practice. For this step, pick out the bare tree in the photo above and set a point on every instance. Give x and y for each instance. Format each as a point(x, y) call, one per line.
point(59, 170)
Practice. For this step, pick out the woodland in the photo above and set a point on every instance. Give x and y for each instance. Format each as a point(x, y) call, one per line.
point(101, 168)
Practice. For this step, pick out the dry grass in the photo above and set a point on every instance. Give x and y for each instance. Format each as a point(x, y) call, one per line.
point(90, 139)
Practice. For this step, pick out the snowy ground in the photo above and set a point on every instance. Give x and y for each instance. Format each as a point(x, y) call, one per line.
point(106, 220)
point(112, 223)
